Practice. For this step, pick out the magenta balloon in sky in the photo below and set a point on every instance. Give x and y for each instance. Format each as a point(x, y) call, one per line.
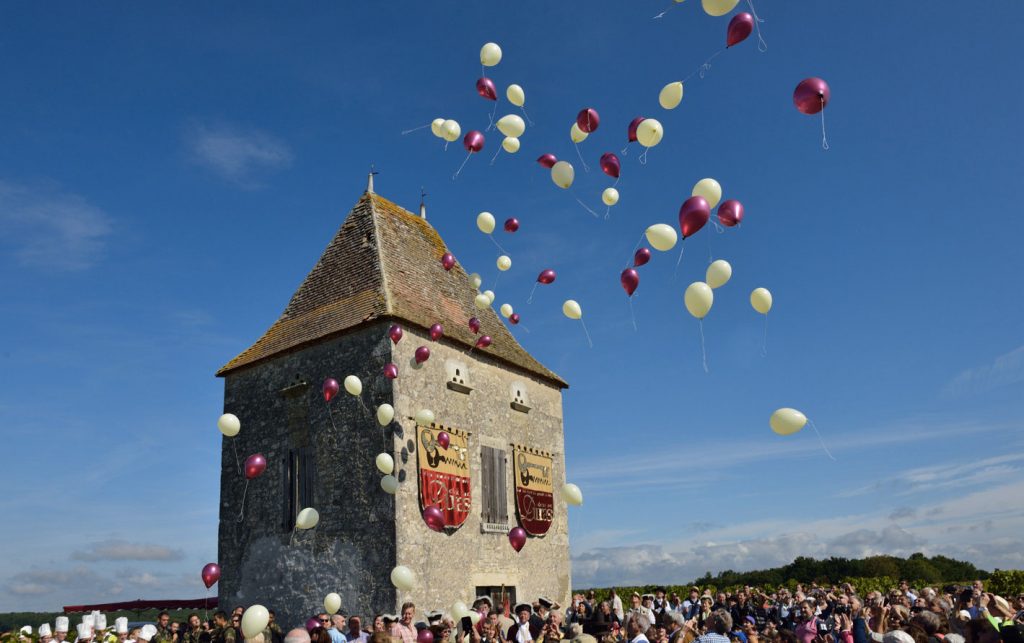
point(547, 160)
point(739, 28)
point(511, 224)
point(693, 214)
point(641, 256)
point(635, 123)
point(629, 279)
point(447, 261)
point(588, 120)
point(210, 574)
point(610, 165)
point(730, 212)
point(255, 465)
point(811, 95)
point(546, 276)
point(485, 87)
point(473, 141)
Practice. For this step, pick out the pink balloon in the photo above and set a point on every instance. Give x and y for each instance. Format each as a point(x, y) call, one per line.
point(210, 574)
point(255, 465)
point(511, 225)
point(635, 123)
point(610, 165)
point(474, 324)
point(447, 261)
point(473, 142)
point(588, 120)
point(390, 371)
point(811, 95)
point(485, 87)
point(546, 276)
point(517, 538)
point(434, 518)
point(730, 212)
point(330, 388)
point(436, 332)
point(312, 623)
point(395, 333)
point(693, 214)
point(630, 279)
point(514, 318)
point(739, 28)
point(547, 160)
point(444, 439)
point(425, 636)
point(484, 341)
point(641, 256)
point(422, 354)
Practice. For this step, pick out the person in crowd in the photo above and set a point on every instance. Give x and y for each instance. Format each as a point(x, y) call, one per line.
point(355, 631)
point(192, 634)
point(719, 624)
point(319, 635)
point(335, 626)
point(525, 630)
point(636, 628)
point(298, 635)
point(404, 630)
point(616, 605)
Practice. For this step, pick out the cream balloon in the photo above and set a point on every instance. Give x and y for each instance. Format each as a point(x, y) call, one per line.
point(474, 616)
point(710, 190)
point(385, 463)
point(481, 301)
point(459, 610)
point(403, 578)
point(576, 134)
point(563, 174)
point(649, 132)
point(389, 484)
point(332, 603)
point(571, 309)
point(662, 236)
point(385, 414)
point(610, 196)
point(490, 54)
point(511, 125)
point(504, 262)
point(424, 417)
point(571, 494)
point(516, 95)
point(353, 385)
point(229, 424)
point(490, 296)
point(698, 299)
point(787, 421)
point(485, 221)
point(718, 273)
point(761, 300)
point(510, 144)
point(671, 95)
point(435, 127)
point(254, 621)
point(307, 518)
point(451, 130)
point(506, 310)
point(718, 7)
point(475, 280)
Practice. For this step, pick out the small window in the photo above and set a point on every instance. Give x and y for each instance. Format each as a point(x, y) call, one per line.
point(300, 484)
point(458, 376)
point(520, 400)
point(498, 595)
point(494, 499)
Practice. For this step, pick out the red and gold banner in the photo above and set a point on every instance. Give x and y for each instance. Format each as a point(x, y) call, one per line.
point(444, 473)
point(535, 501)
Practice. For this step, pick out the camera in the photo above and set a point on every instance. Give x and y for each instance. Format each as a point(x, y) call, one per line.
point(825, 626)
point(841, 609)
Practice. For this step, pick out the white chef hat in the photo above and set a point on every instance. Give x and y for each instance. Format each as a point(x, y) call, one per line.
point(148, 632)
point(89, 620)
point(100, 621)
point(121, 625)
point(44, 630)
point(84, 631)
point(26, 630)
point(61, 624)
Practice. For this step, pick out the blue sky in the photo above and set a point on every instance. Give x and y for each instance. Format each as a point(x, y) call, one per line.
point(169, 173)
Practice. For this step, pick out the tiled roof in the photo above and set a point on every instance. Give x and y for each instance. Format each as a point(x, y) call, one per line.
point(384, 262)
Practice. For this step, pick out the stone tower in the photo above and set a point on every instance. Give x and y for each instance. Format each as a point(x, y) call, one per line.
point(501, 408)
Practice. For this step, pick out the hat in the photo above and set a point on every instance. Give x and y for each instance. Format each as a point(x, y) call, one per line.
point(739, 636)
point(752, 620)
point(121, 625)
point(545, 602)
point(636, 594)
point(389, 617)
point(897, 636)
point(84, 631)
point(964, 615)
point(100, 621)
point(44, 630)
point(646, 596)
point(89, 619)
point(523, 607)
point(60, 624)
point(435, 616)
point(483, 599)
point(148, 632)
point(26, 630)
point(420, 625)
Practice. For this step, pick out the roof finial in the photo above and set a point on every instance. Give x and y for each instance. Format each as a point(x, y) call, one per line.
point(369, 180)
point(423, 205)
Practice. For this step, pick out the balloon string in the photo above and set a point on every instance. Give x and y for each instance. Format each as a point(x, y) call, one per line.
point(632, 255)
point(824, 138)
point(608, 213)
point(585, 167)
point(625, 151)
point(234, 447)
point(490, 119)
point(704, 68)
point(631, 314)
point(459, 171)
point(710, 258)
point(827, 452)
point(530, 300)
point(496, 279)
point(446, 145)
point(703, 350)
point(762, 46)
point(718, 227)
point(241, 514)
point(585, 207)
point(491, 237)
point(616, 181)
point(764, 340)
point(662, 14)
point(523, 110)
point(682, 248)
point(643, 157)
point(495, 157)
point(415, 129)
point(586, 332)
point(330, 415)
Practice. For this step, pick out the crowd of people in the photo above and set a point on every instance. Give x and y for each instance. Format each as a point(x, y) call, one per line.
point(811, 614)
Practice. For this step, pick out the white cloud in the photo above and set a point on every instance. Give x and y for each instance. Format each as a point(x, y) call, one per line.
point(237, 155)
point(51, 229)
point(1006, 369)
point(122, 550)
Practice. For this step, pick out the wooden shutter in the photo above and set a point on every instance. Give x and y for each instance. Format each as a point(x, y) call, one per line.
point(307, 479)
point(500, 492)
point(486, 467)
point(288, 495)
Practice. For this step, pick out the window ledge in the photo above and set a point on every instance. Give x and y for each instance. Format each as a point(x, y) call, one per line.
point(459, 388)
point(494, 527)
point(522, 408)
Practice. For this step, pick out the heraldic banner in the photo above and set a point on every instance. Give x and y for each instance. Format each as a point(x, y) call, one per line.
point(444, 474)
point(535, 502)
